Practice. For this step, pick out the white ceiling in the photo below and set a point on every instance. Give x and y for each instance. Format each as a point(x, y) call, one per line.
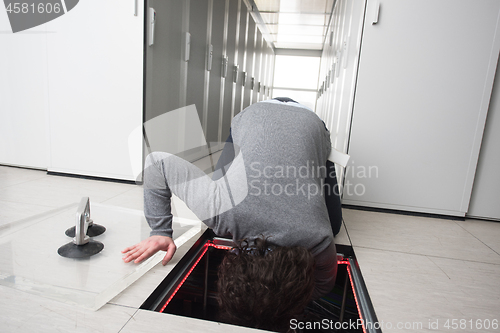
point(296, 24)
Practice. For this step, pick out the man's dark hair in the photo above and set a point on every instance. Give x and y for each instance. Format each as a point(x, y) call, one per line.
point(264, 287)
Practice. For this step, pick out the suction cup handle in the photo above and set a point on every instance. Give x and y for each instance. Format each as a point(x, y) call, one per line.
point(82, 222)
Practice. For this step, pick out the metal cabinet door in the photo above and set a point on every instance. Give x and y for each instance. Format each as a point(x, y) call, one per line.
point(424, 82)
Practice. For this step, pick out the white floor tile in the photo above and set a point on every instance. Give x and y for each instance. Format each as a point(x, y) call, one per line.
point(56, 191)
point(417, 269)
point(14, 211)
point(148, 321)
point(21, 313)
point(342, 237)
point(417, 235)
point(418, 290)
point(487, 232)
point(133, 199)
point(11, 176)
point(135, 295)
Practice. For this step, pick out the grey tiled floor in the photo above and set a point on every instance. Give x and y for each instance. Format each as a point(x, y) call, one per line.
point(425, 271)
point(419, 271)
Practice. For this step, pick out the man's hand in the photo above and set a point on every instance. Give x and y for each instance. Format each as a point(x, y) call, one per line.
point(148, 247)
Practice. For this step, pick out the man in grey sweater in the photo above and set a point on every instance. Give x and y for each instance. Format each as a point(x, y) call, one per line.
point(274, 186)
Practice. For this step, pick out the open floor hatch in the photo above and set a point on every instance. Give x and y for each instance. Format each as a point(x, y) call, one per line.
point(190, 290)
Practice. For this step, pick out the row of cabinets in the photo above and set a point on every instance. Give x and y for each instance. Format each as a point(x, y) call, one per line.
point(405, 88)
point(210, 54)
point(75, 92)
point(72, 91)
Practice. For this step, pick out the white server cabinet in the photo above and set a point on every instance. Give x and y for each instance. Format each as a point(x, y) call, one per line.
point(485, 196)
point(424, 83)
point(78, 88)
point(23, 96)
point(95, 75)
point(72, 91)
point(339, 65)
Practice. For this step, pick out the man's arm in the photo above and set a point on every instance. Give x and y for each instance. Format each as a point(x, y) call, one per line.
point(148, 247)
point(164, 175)
point(158, 213)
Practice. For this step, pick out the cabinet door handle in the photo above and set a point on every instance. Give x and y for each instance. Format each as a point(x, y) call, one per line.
point(136, 7)
point(377, 12)
point(346, 51)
